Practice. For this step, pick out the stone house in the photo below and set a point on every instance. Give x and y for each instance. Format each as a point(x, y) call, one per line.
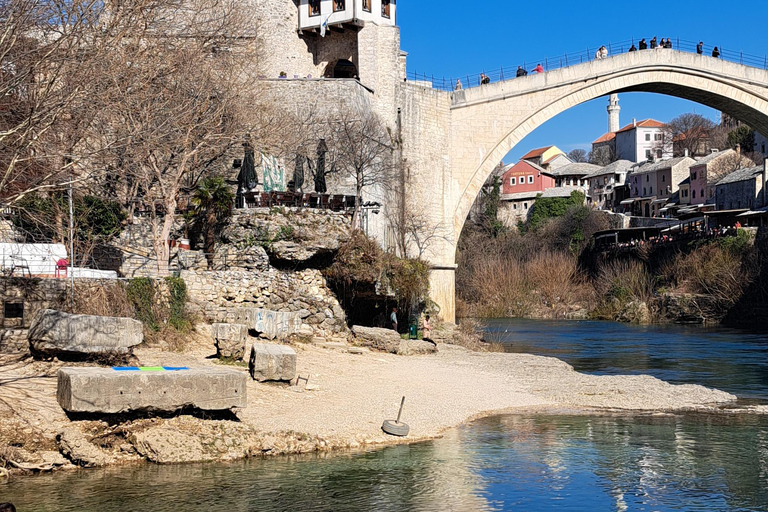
point(573, 175)
point(709, 170)
point(607, 185)
point(652, 184)
point(515, 207)
point(744, 188)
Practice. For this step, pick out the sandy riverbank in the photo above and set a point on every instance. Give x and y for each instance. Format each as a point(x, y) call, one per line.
point(349, 397)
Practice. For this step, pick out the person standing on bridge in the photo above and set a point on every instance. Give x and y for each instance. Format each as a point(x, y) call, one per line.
point(539, 68)
point(716, 53)
point(632, 48)
point(700, 47)
point(457, 87)
point(643, 45)
point(653, 43)
point(521, 71)
point(669, 43)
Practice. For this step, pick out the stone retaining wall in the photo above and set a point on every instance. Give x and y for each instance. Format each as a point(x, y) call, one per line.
point(219, 296)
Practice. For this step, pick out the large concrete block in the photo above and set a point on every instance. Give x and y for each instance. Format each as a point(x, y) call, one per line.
point(57, 333)
point(269, 324)
point(272, 362)
point(230, 339)
point(110, 391)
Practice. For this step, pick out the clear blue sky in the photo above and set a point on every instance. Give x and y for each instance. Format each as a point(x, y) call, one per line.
point(452, 38)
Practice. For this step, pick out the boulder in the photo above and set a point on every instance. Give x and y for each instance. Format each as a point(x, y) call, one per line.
point(635, 312)
point(272, 362)
point(377, 338)
point(230, 340)
point(387, 340)
point(121, 390)
point(56, 333)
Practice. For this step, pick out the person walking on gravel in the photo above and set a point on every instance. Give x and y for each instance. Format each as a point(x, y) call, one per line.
point(393, 318)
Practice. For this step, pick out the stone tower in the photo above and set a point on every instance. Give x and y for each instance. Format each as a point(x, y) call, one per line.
point(613, 113)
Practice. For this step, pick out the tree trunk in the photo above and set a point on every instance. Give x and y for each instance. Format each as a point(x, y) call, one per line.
point(210, 236)
point(356, 220)
point(162, 250)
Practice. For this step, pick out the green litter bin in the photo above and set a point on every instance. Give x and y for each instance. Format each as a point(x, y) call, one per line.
point(413, 331)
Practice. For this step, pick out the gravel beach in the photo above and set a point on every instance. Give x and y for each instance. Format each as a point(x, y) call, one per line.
point(343, 406)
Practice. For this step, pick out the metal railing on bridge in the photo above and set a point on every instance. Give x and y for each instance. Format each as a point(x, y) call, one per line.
point(448, 83)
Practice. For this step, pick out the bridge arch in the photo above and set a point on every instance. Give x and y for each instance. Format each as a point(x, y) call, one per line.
point(475, 128)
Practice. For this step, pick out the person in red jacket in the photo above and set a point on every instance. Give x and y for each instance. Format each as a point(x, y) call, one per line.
point(539, 69)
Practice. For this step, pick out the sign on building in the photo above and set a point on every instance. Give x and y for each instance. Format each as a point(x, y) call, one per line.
point(274, 174)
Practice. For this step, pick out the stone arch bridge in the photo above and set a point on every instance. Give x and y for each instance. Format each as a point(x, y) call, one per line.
point(453, 140)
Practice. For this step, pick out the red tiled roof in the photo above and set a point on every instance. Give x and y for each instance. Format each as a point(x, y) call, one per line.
point(535, 153)
point(605, 138)
point(645, 123)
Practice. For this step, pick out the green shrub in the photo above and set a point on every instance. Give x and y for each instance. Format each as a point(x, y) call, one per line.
point(546, 208)
point(141, 294)
point(178, 317)
point(362, 261)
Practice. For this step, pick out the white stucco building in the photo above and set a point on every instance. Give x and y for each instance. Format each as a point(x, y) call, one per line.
point(643, 140)
point(313, 14)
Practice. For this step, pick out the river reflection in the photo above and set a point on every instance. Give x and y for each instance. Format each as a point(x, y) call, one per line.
point(521, 462)
point(726, 359)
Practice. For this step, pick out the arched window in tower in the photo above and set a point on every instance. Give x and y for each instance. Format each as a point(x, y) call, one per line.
point(367, 5)
point(314, 7)
point(342, 68)
point(385, 8)
point(338, 5)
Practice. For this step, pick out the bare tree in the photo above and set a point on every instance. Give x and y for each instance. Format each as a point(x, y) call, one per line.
point(415, 232)
point(176, 107)
point(362, 152)
point(50, 57)
point(578, 156)
point(691, 133)
point(603, 154)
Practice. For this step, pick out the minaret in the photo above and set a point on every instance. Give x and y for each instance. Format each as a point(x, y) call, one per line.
point(613, 113)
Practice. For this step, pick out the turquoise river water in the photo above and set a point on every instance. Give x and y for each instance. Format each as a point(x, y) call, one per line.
point(528, 462)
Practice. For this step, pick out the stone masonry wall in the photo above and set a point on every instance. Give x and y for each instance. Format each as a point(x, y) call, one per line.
point(217, 295)
point(33, 294)
point(298, 234)
point(284, 49)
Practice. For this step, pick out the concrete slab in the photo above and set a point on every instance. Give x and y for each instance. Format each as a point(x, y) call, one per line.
point(113, 391)
point(272, 362)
